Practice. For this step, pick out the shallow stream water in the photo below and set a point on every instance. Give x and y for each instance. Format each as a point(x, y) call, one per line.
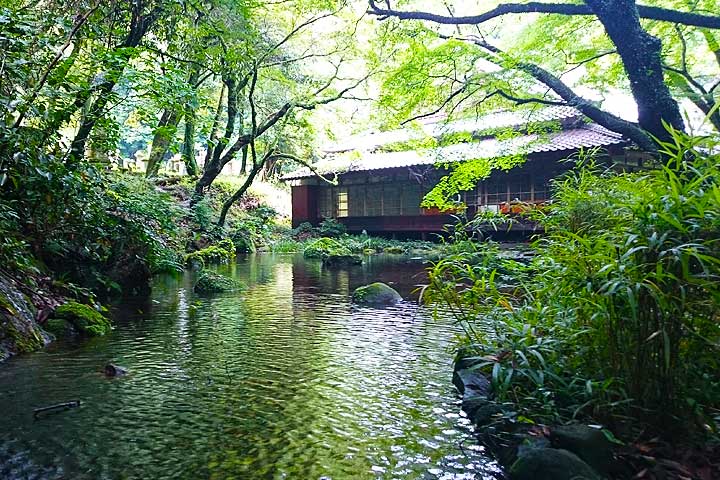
point(284, 380)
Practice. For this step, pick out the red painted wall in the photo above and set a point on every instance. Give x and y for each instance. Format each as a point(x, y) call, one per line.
point(304, 204)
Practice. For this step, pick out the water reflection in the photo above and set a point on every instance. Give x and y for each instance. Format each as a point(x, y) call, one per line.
point(285, 380)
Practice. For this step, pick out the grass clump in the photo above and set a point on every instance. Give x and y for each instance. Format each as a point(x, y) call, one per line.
point(209, 282)
point(84, 318)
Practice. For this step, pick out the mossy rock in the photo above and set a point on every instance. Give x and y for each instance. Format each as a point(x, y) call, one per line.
point(84, 318)
point(590, 444)
point(222, 252)
point(244, 243)
point(551, 464)
point(59, 327)
point(209, 282)
point(369, 251)
point(335, 260)
point(394, 249)
point(325, 247)
point(376, 294)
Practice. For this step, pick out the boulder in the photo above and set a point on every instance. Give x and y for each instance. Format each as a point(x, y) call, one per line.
point(19, 332)
point(336, 260)
point(112, 370)
point(376, 294)
point(550, 464)
point(84, 318)
point(209, 282)
point(590, 444)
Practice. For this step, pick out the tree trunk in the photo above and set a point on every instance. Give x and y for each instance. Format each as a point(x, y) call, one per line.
point(239, 193)
point(164, 133)
point(212, 137)
point(188, 149)
point(213, 167)
point(95, 112)
point(641, 56)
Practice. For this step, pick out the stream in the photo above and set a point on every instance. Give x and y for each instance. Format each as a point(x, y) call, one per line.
point(284, 380)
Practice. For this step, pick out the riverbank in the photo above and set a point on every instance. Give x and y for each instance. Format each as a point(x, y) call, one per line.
point(94, 237)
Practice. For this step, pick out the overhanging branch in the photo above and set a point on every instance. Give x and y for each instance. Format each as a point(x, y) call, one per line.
point(646, 12)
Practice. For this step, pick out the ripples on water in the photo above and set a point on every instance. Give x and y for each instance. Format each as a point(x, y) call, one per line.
point(285, 380)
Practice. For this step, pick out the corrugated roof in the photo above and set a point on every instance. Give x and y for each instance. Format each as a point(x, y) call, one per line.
point(584, 136)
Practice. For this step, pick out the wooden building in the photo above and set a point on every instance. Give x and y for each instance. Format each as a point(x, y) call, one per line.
point(381, 184)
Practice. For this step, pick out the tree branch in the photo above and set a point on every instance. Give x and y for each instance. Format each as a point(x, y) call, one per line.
point(647, 12)
point(309, 166)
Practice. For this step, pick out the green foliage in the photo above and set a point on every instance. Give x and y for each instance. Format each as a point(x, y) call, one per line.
point(617, 313)
point(286, 245)
point(325, 247)
point(209, 282)
point(330, 227)
point(222, 252)
point(203, 214)
point(84, 318)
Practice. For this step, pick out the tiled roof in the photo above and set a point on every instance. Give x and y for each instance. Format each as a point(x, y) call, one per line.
point(584, 136)
point(435, 127)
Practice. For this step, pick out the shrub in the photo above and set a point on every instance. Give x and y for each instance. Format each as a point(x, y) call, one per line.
point(324, 247)
point(617, 313)
point(330, 227)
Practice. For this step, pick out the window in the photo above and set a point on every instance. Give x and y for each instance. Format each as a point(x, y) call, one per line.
point(373, 200)
point(411, 197)
point(496, 191)
point(391, 199)
point(325, 203)
point(356, 200)
point(520, 188)
point(342, 202)
point(541, 190)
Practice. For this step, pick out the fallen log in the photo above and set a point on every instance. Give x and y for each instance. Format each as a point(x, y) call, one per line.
point(56, 407)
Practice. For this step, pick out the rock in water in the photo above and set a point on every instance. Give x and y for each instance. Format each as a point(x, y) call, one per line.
point(112, 370)
point(342, 260)
point(551, 464)
point(376, 294)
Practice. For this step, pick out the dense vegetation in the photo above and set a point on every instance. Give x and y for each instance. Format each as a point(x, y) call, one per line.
point(117, 120)
point(615, 319)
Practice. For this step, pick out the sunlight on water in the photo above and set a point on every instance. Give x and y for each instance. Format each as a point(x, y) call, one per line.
point(284, 380)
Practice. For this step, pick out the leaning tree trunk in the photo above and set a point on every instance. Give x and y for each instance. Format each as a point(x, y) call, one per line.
point(239, 193)
point(641, 56)
point(164, 133)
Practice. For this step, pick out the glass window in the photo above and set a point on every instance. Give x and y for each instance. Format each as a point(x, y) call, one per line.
point(325, 203)
point(496, 191)
point(541, 189)
point(342, 202)
point(520, 188)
